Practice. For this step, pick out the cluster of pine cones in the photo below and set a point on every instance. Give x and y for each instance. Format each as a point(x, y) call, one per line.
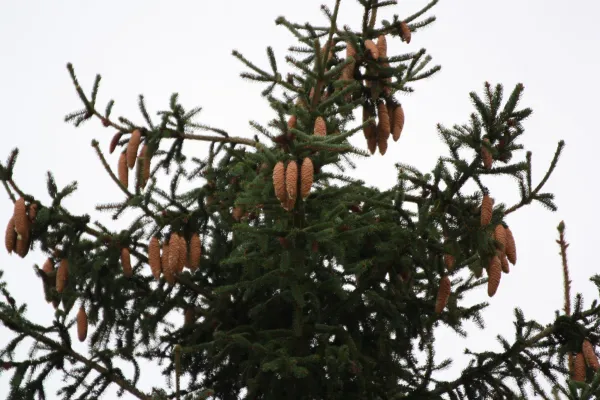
point(18, 230)
point(285, 181)
point(588, 356)
point(129, 156)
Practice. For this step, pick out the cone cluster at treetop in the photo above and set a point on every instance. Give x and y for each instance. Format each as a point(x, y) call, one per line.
point(289, 278)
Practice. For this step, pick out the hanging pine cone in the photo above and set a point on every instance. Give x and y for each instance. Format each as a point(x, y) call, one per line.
point(23, 243)
point(32, 212)
point(168, 269)
point(443, 294)
point(348, 72)
point(500, 236)
point(195, 251)
point(291, 180)
point(320, 128)
point(405, 33)
point(145, 157)
point(10, 236)
point(48, 266)
point(307, 171)
point(487, 205)
point(189, 316)
point(590, 355)
point(114, 142)
point(62, 274)
point(122, 170)
point(398, 124)
point(511, 248)
point(486, 156)
point(382, 46)
point(82, 324)
point(279, 181)
point(237, 213)
point(383, 128)
point(371, 48)
point(504, 263)
point(183, 253)
point(173, 253)
point(20, 217)
point(579, 368)
point(132, 147)
point(449, 261)
point(494, 275)
point(292, 121)
point(126, 262)
point(154, 257)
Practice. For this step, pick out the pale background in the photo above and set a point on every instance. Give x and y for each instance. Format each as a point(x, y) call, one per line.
point(158, 47)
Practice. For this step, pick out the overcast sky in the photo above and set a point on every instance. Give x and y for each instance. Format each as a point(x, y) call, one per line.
point(159, 47)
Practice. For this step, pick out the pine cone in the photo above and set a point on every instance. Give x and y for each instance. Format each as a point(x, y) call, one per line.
point(114, 142)
point(500, 236)
point(167, 269)
point(443, 294)
point(183, 253)
point(449, 261)
point(154, 257)
point(48, 266)
point(173, 254)
point(511, 249)
point(369, 130)
point(195, 251)
point(579, 368)
point(145, 157)
point(494, 275)
point(384, 121)
point(279, 181)
point(371, 48)
point(10, 237)
point(123, 171)
point(486, 156)
point(382, 143)
point(348, 72)
point(132, 147)
point(504, 263)
point(487, 205)
point(23, 243)
point(398, 122)
point(20, 217)
point(32, 212)
point(320, 127)
point(590, 355)
point(292, 121)
point(405, 33)
point(307, 171)
point(382, 46)
point(291, 179)
point(62, 275)
point(237, 213)
point(189, 316)
point(126, 262)
point(82, 324)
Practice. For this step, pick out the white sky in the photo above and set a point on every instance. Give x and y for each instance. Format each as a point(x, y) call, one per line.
point(158, 47)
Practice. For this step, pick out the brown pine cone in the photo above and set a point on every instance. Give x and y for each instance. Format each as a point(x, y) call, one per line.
point(369, 130)
point(500, 236)
point(10, 236)
point(449, 261)
point(350, 50)
point(62, 274)
point(173, 253)
point(590, 355)
point(398, 122)
point(487, 205)
point(443, 294)
point(486, 156)
point(132, 147)
point(82, 324)
point(126, 262)
point(405, 33)
point(167, 269)
point(237, 213)
point(384, 121)
point(114, 142)
point(382, 46)
point(320, 128)
point(371, 48)
point(154, 257)
point(183, 253)
point(292, 121)
point(189, 316)
point(279, 181)
point(32, 212)
point(122, 170)
point(494, 275)
point(195, 251)
point(48, 267)
point(372, 144)
point(307, 171)
point(24, 242)
point(391, 108)
point(20, 217)
point(145, 157)
point(504, 263)
point(382, 143)
point(511, 249)
point(291, 180)
point(579, 368)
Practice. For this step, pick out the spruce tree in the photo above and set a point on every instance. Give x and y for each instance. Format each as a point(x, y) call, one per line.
point(293, 280)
